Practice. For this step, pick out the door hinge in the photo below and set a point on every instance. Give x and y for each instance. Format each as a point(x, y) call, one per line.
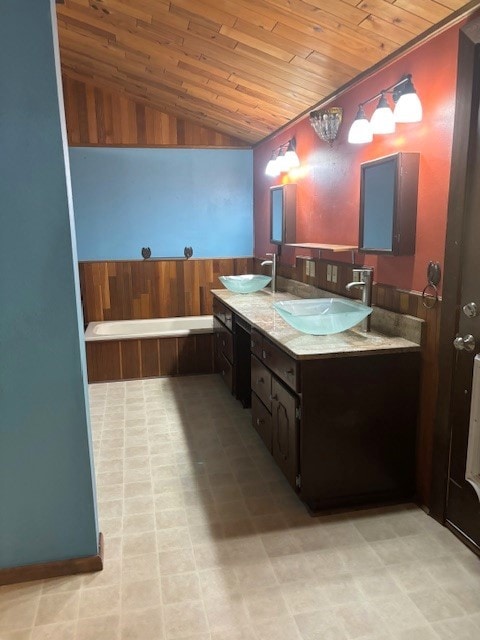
point(298, 413)
point(298, 481)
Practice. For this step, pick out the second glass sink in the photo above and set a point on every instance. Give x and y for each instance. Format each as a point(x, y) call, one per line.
point(322, 316)
point(247, 283)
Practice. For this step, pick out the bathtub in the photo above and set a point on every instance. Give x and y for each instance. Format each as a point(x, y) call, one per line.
point(132, 349)
point(157, 327)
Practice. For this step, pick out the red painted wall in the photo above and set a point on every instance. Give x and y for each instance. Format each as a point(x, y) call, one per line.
point(328, 184)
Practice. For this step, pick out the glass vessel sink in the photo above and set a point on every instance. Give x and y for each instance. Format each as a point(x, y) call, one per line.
point(322, 316)
point(247, 283)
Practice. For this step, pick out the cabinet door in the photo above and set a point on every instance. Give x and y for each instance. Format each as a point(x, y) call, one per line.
point(262, 421)
point(285, 431)
point(261, 382)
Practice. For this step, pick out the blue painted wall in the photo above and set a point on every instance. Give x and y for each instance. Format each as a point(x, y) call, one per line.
point(166, 199)
point(47, 505)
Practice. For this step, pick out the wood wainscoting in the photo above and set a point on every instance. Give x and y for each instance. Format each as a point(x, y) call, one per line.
point(393, 299)
point(112, 360)
point(138, 289)
point(96, 116)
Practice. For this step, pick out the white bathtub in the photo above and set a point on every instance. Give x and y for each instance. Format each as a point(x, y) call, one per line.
point(155, 328)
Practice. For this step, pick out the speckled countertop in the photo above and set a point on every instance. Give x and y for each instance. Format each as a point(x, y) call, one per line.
point(389, 330)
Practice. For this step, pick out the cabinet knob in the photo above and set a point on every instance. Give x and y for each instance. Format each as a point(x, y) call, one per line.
point(275, 397)
point(260, 421)
point(252, 344)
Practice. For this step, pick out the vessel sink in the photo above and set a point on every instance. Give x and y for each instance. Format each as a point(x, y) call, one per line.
point(322, 316)
point(246, 283)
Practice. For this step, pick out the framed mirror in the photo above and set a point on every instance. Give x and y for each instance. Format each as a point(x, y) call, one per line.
point(388, 204)
point(282, 213)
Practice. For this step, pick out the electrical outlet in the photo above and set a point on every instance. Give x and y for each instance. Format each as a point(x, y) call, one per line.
point(311, 269)
point(329, 272)
point(334, 273)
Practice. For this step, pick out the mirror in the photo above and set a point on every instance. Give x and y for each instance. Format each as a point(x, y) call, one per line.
point(388, 204)
point(282, 213)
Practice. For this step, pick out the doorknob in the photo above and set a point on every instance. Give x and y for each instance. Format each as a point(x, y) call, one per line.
point(464, 344)
point(470, 309)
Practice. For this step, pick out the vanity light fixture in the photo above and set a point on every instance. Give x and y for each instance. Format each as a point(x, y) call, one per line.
point(283, 159)
point(408, 108)
point(326, 123)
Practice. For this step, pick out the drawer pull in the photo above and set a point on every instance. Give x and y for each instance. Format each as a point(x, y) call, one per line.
point(275, 397)
point(223, 343)
point(264, 354)
point(260, 381)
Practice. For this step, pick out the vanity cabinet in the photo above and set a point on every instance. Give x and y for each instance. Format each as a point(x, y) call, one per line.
point(342, 430)
point(342, 427)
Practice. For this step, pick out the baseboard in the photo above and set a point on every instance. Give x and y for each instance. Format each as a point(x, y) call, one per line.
point(55, 569)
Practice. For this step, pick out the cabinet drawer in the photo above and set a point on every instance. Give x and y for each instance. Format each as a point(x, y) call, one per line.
point(285, 367)
point(261, 382)
point(256, 343)
point(223, 313)
point(226, 371)
point(223, 340)
point(262, 421)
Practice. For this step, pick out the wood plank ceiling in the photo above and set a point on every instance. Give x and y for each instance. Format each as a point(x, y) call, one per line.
point(242, 67)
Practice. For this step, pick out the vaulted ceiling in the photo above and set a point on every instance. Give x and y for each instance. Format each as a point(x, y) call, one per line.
point(243, 67)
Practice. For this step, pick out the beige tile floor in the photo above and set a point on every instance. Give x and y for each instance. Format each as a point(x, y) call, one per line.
point(204, 540)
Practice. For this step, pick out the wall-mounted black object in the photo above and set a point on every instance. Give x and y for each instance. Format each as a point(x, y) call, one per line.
point(146, 253)
point(283, 202)
point(434, 273)
point(388, 204)
point(188, 252)
point(430, 292)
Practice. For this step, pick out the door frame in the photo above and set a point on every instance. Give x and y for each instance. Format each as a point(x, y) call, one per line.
point(466, 137)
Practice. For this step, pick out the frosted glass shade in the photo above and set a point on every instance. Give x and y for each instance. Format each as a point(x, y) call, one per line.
point(361, 130)
point(408, 108)
point(272, 169)
point(382, 120)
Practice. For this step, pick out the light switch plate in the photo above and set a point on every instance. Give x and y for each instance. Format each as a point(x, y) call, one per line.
point(311, 271)
point(334, 273)
point(329, 272)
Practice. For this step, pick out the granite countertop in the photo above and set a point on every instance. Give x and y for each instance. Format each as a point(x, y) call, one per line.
point(391, 332)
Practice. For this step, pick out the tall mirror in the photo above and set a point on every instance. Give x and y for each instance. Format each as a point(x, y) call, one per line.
point(282, 213)
point(388, 204)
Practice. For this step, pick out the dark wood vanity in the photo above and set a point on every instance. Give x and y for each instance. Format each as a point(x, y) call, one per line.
point(341, 427)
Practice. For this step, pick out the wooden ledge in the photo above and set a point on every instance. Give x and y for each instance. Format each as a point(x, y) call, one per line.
point(55, 569)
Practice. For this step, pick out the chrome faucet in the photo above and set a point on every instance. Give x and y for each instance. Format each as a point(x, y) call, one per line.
point(273, 262)
point(365, 281)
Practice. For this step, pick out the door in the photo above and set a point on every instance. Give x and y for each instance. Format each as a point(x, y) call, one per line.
point(463, 505)
point(454, 499)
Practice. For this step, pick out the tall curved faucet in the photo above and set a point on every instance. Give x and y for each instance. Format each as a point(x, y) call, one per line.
point(273, 262)
point(365, 282)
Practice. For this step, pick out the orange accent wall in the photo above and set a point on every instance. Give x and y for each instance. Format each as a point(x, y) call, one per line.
point(328, 184)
